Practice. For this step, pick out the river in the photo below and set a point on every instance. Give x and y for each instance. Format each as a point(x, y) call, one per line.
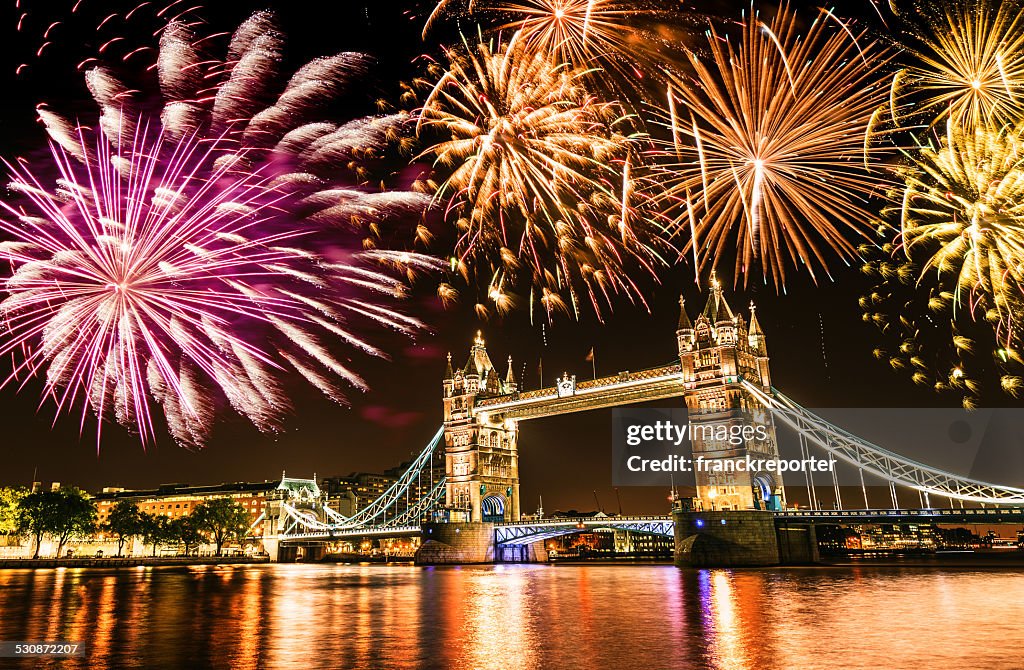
point(641, 617)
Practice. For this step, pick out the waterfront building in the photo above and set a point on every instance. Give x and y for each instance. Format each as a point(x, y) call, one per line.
point(177, 500)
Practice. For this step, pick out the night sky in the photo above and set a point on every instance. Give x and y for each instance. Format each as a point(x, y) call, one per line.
point(820, 349)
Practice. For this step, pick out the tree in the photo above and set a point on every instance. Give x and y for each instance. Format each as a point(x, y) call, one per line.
point(10, 503)
point(187, 532)
point(125, 522)
point(61, 514)
point(224, 519)
point(156, 529)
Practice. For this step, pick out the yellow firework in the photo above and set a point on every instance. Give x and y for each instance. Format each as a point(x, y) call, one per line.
point(970, 65)
point(962, 216)
point(926, 334)
point(535, 173)
point(768, 149)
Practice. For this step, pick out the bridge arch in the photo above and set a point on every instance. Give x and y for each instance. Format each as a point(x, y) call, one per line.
point(492, 508)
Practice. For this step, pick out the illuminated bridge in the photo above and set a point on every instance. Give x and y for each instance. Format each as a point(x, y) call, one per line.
point(463, 487)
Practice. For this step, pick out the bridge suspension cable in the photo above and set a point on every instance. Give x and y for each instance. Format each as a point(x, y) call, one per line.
point(391, 509)
point(888, 465)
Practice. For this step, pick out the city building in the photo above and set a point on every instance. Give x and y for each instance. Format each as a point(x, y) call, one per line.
point(177, 500)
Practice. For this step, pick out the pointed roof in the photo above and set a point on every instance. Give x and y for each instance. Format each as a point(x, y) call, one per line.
point(684, 318)
point(510, 378)
point(717, 308)
point(448, 374)
point(479, 363)
point(755, 327)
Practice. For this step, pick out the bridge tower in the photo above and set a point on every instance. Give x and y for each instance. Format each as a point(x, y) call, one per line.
point(481, 455)
point(717, 351)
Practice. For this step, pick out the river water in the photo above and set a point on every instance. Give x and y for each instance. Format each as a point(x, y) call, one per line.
point(524, 616)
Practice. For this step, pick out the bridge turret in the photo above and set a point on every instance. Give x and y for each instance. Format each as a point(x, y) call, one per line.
point(449, 378)
point(684, 331)
point(510, 379)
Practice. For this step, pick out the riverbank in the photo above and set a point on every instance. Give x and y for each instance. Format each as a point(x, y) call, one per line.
point(952, 559)
point(126, 562)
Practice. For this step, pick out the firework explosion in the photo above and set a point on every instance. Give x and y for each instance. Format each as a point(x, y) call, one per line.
point(961, 246)
point(622, 46)
point(768, 145)
point(968, 65)
point(194, 259)
point(538, 178)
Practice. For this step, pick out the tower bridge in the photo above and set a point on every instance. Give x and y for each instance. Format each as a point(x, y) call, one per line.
point(461, 493)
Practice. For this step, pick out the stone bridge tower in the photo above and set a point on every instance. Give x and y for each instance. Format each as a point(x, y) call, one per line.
point(481, 456)
point(716, 351)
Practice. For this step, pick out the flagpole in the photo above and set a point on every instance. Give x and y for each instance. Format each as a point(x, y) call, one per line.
point(593, 361)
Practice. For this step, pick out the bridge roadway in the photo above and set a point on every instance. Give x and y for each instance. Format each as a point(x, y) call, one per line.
point(527, 532)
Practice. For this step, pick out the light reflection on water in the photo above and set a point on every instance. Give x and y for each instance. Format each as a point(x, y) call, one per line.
point(645, 617)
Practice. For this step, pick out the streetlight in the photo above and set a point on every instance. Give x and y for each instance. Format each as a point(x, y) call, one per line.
point(712, 494)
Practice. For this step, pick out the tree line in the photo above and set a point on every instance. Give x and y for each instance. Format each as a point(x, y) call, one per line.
point(68, 513)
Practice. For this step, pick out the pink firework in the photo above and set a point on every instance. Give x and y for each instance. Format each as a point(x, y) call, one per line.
point(183, 265)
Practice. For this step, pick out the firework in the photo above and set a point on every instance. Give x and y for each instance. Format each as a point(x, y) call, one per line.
point(768, 144)
point(951, 288)
point(189, 259)
point(968, 65)
point(536, 178)
point(963, 212)
point(623, 45)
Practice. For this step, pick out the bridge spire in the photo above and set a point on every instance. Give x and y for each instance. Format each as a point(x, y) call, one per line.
point(717, 309)
point(684, 318)
point(756, 335)
point(448, 373)
point(510, 378)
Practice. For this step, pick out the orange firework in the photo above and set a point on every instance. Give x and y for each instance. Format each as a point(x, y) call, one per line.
point(536, 177)
point(768, 144)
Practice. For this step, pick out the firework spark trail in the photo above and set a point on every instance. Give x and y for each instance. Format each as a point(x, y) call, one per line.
point(963, 210)
point(623, 46)
point(778, 123)
point(967, 64)
point(532, 163)
point(950, 288)
point(193, 257)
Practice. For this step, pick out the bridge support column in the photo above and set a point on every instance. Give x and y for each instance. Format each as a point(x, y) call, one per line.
point(522, 553)
point(798, 544)
point(725, 539)
point(456, 544)
point(272, 545)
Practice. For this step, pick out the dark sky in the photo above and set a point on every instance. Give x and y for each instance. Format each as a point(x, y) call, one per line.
point(821, 351)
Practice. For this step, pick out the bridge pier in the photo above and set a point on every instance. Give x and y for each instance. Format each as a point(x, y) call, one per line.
point(456, 544)
point(723, 539)
point(742, 538)
point(272, 546)
point(798, 543)
point(522, 553)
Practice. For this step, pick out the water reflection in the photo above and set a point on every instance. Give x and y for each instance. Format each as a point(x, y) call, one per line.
point(647, 617)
